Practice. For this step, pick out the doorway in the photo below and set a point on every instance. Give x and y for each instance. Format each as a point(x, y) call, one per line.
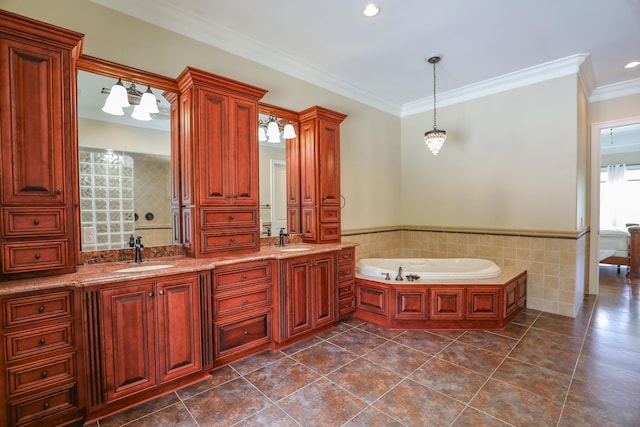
point(278, 196)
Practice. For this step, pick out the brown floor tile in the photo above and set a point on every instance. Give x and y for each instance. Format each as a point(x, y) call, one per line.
point(416, 405)
point(217, 377)
point(452, 380)
point(256, 362)
point(139, 411)
point(357, 341)
point(471, 357)
point(605, 375)
point(516, 406)
point(473, 418)
point(614, 356)
point(372, 417)
point(602, 337)
point(381, 332)
point(526, 317)
point(365, 379)
point(546, 383)
point(299, 346)
point(352, 321)
point(562, 325)
point(512, 330)
point(321, 404)
point(423, 341)
point(281, 378)
point(219, 406)
point(548, 349)
point(324, 357)
point(172, 416)
point(571, 418)
point(489, 341)
point(337, 329)
point(398, 358)
point(271, 416)
point(451, 334)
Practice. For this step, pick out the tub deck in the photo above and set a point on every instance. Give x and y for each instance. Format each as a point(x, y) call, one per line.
point(446, 304)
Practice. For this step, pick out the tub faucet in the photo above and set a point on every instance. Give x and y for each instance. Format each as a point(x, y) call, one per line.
point(139, 247)
point(399, 276)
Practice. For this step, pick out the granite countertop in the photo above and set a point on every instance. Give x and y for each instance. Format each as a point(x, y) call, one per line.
point(106, 273)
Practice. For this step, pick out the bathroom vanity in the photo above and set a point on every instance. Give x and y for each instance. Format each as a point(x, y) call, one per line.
point(83, 341)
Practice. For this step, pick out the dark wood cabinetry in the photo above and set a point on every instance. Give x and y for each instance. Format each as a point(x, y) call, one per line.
point(242, 296)
point(37, 147)
point(142, 335)
point(346, 282)
point(320, 174)
point(42, 381)
point(219, 163)
point(307, 295)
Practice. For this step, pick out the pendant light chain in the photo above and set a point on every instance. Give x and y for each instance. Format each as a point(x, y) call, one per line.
point(434, 94)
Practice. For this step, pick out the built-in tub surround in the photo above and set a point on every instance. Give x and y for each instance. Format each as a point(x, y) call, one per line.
point(426, 269)
point(556, 262)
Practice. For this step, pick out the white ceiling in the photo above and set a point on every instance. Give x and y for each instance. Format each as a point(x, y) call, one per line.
point(380, 60)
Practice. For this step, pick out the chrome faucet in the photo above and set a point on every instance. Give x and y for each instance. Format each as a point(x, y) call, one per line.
point(399, 276)
point(137, 243)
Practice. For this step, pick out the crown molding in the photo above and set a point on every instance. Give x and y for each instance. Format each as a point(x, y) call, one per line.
point(538, 73)
point(616, 90)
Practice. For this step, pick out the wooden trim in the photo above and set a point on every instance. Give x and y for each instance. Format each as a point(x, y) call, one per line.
point(558, 234)
point(112, 69)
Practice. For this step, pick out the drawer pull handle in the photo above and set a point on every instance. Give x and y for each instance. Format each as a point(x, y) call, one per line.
point(36, 221)
point(37, 256)
point(41, 309)
point(42, 341)
point(46, 405)
point(246, 332)
point(44, 374)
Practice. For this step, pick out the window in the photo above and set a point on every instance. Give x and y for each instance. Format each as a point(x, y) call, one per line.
point(620, 201)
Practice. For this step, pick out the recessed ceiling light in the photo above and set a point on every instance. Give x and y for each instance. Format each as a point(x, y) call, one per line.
point(370, 10)
point(632, 64)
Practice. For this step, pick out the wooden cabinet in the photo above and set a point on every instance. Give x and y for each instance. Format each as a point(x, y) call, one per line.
point(320, 174)
point(242, 299)
point(307, 295)
point(219, 163)
point(346, 282)
point(42, 380)
point(38, 143)
point(141, 335)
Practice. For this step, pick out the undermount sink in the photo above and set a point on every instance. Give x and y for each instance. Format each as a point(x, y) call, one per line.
point(139, 268)
point(300, 249)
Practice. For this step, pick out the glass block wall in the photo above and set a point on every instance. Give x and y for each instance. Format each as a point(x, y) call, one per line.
point(106, 198)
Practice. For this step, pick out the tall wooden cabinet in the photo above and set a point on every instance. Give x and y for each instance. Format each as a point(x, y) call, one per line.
point(38, 146)
point(320, 174)
point(219, 153)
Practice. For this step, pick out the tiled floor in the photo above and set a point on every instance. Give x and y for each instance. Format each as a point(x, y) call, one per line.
point(543, 370)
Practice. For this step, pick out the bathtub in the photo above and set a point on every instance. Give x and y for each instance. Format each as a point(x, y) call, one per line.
point(430, 268)
point(451, 293)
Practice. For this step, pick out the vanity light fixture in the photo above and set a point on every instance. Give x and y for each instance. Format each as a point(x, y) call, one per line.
point(273, 129)
point(436, 137)
point(120, 97)
point(371, 10)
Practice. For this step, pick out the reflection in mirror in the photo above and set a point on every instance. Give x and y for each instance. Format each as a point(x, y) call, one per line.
point(125, 168)
point(273, 167)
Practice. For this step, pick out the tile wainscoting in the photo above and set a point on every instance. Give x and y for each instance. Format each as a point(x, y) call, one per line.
point(557, 262)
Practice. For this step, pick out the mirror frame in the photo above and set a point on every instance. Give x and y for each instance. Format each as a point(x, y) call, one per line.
point(292, 157)
point(169, 85)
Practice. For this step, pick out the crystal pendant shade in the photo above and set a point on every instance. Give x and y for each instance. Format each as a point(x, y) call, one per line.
point(435, 139)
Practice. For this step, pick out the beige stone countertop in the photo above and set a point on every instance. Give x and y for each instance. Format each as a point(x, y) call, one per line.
point(106, 273)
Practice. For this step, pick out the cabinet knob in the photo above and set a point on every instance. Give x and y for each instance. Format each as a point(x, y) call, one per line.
point(160, 292)
point(36, 221)
point(245, 301)
point(37, 256)
point(59, 191)
point(231, 218)
point(46, 405)
point(244, 277)
point(41, 309)
point(44, 374)
point(232, 240)
point(42, 341)
point(150, 294)
point(246, 332)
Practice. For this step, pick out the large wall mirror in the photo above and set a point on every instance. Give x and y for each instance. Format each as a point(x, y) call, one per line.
point(278, 176)
point(124, 157)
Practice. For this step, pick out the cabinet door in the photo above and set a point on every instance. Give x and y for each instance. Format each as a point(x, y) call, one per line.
point(307, 163)
point(215, 158)
point(323, 285)
point(329, 163)
point(179, 332)
point(298, 296)
point(129, 342)
point(244, 149)
point(32, 118)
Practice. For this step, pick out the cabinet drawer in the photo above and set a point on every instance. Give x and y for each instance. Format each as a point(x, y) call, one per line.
point(25, 222)
point(38, 341)
point(221, 218)
point(346, 306)
point(224, 241)
point(330, 232)
point(244, 274)
point(345, 272)
point(236, 302)
point(242, 334)
point(330, 214)
point(25, 310)
point(35, 376)
point(39, 407)
point(346, 256)
point(346, 289)
point(32, 256)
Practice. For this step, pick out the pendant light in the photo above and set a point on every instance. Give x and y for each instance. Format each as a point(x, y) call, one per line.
point(436, 137)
